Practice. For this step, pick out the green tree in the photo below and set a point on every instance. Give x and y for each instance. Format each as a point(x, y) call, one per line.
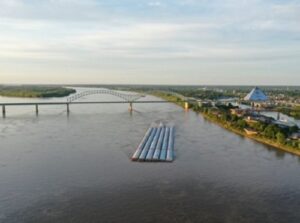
point(271, 131)
point(259, 126)
point(226, 117)
point(293, 129)
point(234, 118)
point(241, 124)
point(280, 137)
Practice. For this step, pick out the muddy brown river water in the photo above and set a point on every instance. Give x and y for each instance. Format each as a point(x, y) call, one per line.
point(77, 168)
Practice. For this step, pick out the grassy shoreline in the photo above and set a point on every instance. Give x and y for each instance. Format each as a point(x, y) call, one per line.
point(256, 138)
point(259, 139)
point(35, 91)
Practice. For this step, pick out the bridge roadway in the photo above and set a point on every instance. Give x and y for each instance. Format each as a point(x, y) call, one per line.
point(37, 104)
point(78, 102)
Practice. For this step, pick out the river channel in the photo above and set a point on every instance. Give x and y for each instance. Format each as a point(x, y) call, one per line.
point(76, 168)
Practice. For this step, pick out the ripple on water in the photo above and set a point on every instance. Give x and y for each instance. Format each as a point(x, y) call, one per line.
point(76, 168)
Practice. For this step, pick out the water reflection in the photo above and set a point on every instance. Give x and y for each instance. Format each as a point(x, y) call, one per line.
point(167, 201)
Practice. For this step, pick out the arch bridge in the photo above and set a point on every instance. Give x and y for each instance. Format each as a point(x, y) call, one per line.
point(130, 98)
point(73, 99)
point(126, 97)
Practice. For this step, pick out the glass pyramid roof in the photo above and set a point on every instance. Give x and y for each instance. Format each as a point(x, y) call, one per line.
point(256, 95)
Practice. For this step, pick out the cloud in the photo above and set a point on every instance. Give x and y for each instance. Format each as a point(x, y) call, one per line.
point(155, 4)
point(137, 40)
point(215, 31)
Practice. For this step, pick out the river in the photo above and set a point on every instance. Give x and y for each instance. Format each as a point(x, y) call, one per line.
point(76, 168)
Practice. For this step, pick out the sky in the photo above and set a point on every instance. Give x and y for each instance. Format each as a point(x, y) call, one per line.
point(197, 42)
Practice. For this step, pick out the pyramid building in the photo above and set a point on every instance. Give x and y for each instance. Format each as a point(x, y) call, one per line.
point(256, 95)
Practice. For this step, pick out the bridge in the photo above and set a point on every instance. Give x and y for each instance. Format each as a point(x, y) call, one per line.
point(73, 99)
point(125, 97)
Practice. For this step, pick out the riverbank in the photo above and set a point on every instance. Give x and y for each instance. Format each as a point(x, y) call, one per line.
point(230, 128)
point(35, 91)
point(253, 137)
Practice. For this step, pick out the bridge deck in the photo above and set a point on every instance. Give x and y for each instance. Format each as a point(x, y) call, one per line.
point(78, 102)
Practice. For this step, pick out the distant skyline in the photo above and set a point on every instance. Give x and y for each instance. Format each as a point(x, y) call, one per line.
point(186, 42)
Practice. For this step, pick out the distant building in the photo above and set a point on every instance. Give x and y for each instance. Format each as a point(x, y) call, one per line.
point(283, 125)
point(204, 103)
point(295, 136)
point(256, 95)
point(259, 118)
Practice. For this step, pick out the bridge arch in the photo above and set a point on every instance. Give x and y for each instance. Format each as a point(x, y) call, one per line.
point(126, 97)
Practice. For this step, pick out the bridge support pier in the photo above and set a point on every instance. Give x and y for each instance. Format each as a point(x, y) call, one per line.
point(36, 109)
point(186, 106)
point(68, 108)
point(3, 111)
point(130, 107)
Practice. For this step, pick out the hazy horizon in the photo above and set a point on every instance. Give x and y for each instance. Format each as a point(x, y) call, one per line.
point(179, 42)
point(130, 84)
